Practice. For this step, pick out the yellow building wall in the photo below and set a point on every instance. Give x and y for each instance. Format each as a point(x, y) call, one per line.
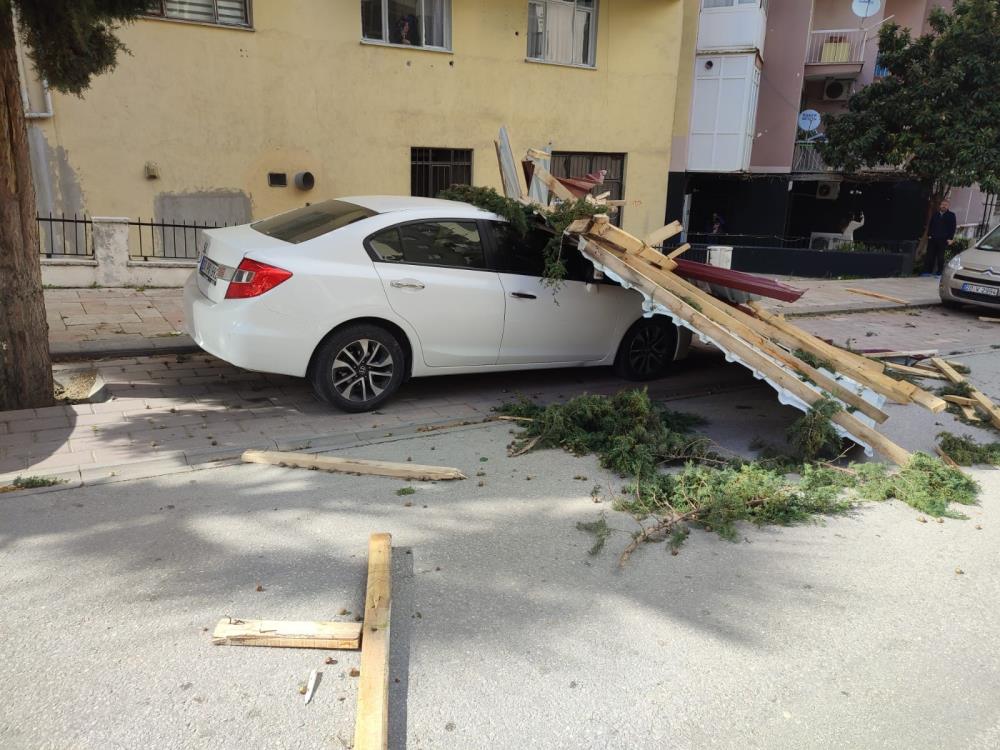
point(217, 109)
point(685, 86)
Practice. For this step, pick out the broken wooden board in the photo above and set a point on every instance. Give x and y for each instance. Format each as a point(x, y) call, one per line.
point(791, 389)
point(664, 233)
point(983, 401)
point(371, 724)
point(987, 319)
point(415, 472)
point(287, 634)
point(920, 372)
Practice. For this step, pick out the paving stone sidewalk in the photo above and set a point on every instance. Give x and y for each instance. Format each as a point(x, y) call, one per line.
point(109, 321)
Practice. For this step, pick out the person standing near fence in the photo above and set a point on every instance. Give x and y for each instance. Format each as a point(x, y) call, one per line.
point(940, 235)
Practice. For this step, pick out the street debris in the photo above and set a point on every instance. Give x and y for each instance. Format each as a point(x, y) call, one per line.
point(371, 729)
point(311, 686)
point(359, 466)
point(876, 295)
point(980, 400)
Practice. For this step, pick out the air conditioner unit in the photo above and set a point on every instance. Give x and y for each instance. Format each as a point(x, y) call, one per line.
point(836, 89)
point(828, 190)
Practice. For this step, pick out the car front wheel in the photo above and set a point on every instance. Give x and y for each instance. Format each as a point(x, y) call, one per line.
point(359, 368)
point(647, 349)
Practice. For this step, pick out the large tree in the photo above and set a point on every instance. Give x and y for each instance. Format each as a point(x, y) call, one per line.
point(70, 41)
point(936, 115)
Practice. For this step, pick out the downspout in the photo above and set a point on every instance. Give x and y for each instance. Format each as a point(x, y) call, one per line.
point(23, 80)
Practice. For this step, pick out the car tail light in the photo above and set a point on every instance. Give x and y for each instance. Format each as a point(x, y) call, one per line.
point(252, 278)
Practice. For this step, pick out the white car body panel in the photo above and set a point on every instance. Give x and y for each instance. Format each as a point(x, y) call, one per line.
point(463, 320)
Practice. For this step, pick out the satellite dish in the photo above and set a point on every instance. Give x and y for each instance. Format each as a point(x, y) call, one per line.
point(866, 8)
point(809, 120)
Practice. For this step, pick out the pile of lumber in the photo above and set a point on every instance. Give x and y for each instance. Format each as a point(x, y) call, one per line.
point(767, 344)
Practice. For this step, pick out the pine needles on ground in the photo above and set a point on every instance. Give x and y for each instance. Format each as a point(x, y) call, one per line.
point(965, 451)
point(634, 436)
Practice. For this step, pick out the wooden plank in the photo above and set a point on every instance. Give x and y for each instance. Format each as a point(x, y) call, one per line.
point(945, 457)
point(287, 633)
point(876, 295)
point(953, 375)
point(969, 413)
point(754, 359)
point(371, 725)
point(865, 371)
point(728, 317)
point(558, 189)
point(982, 400)
point(960, 400)
point(914, 353)
point(920, 372)
point(416, 472)
point(678, 251)
point(664, 233)
point(987, 319)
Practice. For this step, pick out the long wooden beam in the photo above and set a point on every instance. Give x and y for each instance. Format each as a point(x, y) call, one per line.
point(371, 724)
point(416, 472)
point(754, 359)
point(982, 400)
point(231, 631)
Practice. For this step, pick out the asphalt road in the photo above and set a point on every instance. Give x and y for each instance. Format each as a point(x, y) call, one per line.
point(855, 633)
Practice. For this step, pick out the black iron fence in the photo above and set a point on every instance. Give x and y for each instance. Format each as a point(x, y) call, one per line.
point(167, 240)
point(65, 237)
point(801, 243)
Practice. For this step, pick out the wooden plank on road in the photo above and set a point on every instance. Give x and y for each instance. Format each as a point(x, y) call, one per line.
point(287, 633)
point(371, 724)
point(353, 465)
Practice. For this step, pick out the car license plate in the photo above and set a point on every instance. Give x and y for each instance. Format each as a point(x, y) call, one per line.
point(208, 268)
point(991, 291)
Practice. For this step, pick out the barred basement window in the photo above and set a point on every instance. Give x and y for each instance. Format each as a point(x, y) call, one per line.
point(220, 12)
point(434, 169)
point(416, 23)
point(562, 31)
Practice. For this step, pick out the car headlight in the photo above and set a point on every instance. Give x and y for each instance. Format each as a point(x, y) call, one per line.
point(955, 264)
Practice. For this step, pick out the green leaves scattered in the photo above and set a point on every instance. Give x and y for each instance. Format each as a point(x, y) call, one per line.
point(965, 451)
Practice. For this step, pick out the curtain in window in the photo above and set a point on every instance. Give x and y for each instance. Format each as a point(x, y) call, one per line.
point(191, 10)
point(435, 13)
point(559, 32)
point(371, 19)
point(536, 30)
point(581, 28)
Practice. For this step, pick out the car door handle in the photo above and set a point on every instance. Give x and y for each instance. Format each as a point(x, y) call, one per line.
point(522, 295)
point(406, 284)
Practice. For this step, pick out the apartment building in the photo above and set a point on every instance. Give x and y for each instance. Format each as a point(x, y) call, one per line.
point(761, 73)
point(228, 110)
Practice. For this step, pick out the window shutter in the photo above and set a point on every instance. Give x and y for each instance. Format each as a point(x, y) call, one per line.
point(233, 12)
point(191, 10)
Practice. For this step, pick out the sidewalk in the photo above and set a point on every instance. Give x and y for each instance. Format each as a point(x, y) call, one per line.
point(102, 322)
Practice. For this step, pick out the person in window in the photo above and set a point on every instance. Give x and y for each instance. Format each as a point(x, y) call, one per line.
point(716, 225)
point(406, 30)
point(940, 236)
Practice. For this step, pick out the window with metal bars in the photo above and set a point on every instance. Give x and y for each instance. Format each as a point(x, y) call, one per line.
point(219, 12)
point(581, 163)
point(434, 169)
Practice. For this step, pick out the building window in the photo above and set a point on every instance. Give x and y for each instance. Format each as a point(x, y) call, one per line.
point(417, 23)
point(434, 169)
point(581, 163)
point(562, 31)
point(221, 12)
point(710, 4)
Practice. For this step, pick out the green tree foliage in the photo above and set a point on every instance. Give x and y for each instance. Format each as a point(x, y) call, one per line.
point(71, 41)
point(936, 115)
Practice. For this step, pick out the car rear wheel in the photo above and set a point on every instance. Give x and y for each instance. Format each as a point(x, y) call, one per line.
point(359, 368)
point(647, 349)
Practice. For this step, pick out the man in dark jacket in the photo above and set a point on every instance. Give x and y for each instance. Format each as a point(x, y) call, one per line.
point(940, 235)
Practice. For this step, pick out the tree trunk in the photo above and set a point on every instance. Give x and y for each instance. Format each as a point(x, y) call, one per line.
point(25, 366)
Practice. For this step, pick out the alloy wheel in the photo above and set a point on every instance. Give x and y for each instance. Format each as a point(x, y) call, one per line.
point(648, 352)
point(362, 370)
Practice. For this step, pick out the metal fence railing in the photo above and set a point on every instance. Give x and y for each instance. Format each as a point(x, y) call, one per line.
point(65, 237)
point(836, 47)
point(167, 240)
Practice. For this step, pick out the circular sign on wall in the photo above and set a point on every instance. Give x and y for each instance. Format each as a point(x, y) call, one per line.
point(809, 120)
point(866, 8)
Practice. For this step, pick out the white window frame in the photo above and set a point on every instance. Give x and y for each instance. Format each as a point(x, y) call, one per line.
point(592, 63)
point(420, 5)
point(733, 4)
point(158, 9)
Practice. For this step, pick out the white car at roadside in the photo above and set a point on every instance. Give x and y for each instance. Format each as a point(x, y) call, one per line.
point(362, 293)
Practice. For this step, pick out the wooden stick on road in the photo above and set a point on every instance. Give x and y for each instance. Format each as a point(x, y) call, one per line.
point(371, 724)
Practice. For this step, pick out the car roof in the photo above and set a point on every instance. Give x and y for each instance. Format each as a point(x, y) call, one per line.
point(390, 203)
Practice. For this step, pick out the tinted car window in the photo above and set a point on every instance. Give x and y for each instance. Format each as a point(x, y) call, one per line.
point(312, 221)
point(526, 255)
point(386, 246)
point(442, 243)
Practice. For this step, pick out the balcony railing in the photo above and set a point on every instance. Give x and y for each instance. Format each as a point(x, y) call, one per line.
point(806, 158)
point(836, 47)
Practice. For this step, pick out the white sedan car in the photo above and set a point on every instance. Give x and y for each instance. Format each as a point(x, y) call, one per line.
point(362, 293)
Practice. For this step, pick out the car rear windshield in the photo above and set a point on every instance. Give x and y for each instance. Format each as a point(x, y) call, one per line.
point(312, 221)
point(990, 241)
